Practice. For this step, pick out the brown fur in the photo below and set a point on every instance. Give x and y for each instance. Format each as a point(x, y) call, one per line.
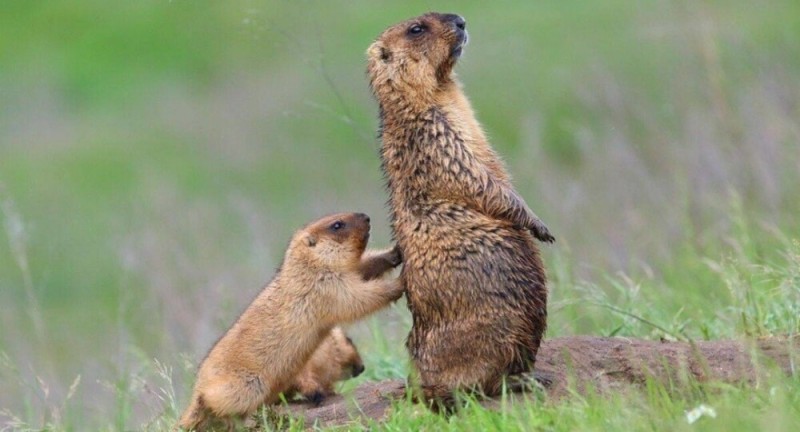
point(474, 279)
point(336, 359)
point(319, 285)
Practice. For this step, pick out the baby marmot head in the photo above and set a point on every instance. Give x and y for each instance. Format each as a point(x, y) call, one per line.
point(336, 359)
point(334, 241)
point(417, 54)
point(346, 355)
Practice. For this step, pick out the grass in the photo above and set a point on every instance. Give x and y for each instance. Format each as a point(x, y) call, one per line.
point(156, 156)
point(651, 409)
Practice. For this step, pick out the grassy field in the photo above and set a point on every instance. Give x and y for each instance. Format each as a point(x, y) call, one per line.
point(155, 157)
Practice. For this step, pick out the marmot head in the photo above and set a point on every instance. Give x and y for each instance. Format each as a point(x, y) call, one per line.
point(346, 355)
point(416, 55)
point(334, 241)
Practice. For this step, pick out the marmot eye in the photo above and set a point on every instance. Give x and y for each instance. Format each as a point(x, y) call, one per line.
point(416, 29)
point(336, 226)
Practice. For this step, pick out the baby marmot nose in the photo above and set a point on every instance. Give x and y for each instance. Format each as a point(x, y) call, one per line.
point(456, 20)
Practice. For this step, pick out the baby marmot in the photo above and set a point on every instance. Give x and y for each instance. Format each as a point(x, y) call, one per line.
point(323, 281)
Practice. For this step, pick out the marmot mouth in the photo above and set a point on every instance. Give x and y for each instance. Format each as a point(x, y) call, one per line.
point(461, 42)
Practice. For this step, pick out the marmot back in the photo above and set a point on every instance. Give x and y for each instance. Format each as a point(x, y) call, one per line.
point(323, 281)
point(474, 279)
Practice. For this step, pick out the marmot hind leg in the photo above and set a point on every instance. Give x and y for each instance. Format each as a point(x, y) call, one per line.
point(525, 382)
point(194, 418)
point(439, 399)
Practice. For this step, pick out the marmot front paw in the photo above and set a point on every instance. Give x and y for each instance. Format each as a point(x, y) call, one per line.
point(395, 256)
point(540, 231)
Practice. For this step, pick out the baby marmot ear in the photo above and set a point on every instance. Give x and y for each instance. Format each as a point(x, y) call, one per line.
point(311, 241)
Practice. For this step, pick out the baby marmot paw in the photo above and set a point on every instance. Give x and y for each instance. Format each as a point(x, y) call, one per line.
point(395, 256)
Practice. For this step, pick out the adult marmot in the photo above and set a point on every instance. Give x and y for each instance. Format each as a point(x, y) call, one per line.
point(335, 359)
point(471, 267)
point(321, 283)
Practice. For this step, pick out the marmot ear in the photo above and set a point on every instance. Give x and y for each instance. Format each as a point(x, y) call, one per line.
point(311, 241)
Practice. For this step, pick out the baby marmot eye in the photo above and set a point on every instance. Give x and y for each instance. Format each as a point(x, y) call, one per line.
point(336, 226)
point(416, 29)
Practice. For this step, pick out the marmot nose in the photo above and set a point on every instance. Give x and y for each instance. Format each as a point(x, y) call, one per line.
point(456, 20)
point(363, 217)
point(357, 370)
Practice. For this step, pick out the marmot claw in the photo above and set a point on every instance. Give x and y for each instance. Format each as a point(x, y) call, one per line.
point(541, 232)
point(395, 256)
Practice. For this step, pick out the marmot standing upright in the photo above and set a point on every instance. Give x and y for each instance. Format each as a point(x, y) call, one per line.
point(323, 281)
point(474, 279)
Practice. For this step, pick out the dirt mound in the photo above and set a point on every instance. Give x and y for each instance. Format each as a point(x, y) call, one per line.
point(603, 364)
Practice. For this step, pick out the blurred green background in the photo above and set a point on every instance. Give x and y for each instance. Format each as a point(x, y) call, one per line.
point(155, 157)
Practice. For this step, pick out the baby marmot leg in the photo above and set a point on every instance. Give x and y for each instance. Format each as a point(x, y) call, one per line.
point(198, 417)
point(375, 264)
point(237, 395)
point(194, 416)
point(222, 401)
point(360, 300)
point(312, 388)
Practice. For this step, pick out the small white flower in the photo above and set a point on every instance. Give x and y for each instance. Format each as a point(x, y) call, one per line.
point(700, 411)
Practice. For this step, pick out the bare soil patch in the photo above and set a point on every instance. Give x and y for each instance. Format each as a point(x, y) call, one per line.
point(604, 365)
